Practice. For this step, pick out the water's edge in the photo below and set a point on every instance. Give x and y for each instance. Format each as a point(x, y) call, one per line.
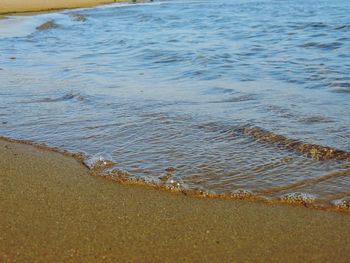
point(207, 98)
point(101, 168)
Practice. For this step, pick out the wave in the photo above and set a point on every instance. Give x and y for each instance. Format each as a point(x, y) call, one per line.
point(325, 46)
point(100, 166)
point(47, 25)
point(78, 17)
point(240, 98)
point(65, 97)
point(314, 151)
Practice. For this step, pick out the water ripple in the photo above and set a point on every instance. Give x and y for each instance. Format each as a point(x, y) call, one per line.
point(232, 98)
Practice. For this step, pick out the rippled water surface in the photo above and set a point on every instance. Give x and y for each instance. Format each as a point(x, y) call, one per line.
point(222, 96)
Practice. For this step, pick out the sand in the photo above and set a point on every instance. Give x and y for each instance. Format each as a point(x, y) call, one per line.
point(16, 6)
point(52, 210)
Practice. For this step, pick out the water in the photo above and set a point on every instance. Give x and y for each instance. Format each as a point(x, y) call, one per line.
point(225, 97)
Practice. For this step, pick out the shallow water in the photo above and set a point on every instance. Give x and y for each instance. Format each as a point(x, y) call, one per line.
point(228, 97)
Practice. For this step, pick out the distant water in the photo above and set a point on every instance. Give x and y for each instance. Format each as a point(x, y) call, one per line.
point(226, 97)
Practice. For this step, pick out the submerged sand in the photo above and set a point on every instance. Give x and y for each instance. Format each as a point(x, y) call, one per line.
point(16, 6)
point(53, 211)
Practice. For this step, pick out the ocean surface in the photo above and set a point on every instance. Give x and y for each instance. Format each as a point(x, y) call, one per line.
point(232, 98)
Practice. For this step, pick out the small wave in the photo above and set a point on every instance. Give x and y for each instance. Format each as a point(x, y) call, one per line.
point(342, 27)
point(343, 203)
point(100, 165)
point(218, 90)
point(341, 84)
point(340, 87)
point(313, 25)
point(282, 111)
point(241, 194)
point(315, 120)
point(78, 17)
point(314, 151)
point(341, 90)
point(47, 25)
point(301, 198)
point(99, 162)
point(325, 46)
point(65, 97)
point(241, 98)
point(307, 182)
point(116, 174)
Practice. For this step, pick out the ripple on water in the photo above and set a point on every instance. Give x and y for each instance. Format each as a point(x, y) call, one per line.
point(47, 25)
point(221, 98)
point(65, 97)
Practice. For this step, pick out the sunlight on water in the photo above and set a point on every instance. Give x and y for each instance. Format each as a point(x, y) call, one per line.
point(235, 98)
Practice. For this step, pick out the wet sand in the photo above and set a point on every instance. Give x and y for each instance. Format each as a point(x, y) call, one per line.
point(16, 6)
point(53, 211)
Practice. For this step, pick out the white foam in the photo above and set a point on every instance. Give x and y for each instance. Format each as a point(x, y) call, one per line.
point(343, 203)
point(99, 160)
point(299, 197)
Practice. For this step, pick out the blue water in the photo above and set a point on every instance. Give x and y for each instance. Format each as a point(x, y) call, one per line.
point(167, 90)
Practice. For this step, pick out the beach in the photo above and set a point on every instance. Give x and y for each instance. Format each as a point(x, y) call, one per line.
point(19, 6)
point(53, 211)
point(174, 131)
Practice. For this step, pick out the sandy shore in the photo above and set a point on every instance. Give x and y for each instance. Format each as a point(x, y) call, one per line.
point(53, 211)
point(16, 6)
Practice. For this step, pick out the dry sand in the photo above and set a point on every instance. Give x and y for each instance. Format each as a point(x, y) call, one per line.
point(53, 211)
point(15, 6)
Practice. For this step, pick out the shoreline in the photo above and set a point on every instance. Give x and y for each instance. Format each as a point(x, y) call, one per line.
point(9, 7)
point(53, 210)
point(124, 179)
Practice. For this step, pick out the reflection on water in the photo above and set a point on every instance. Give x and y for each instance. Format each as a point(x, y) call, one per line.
point(226, 97)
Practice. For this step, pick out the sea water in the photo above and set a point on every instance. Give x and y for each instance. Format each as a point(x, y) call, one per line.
point(239, 97)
